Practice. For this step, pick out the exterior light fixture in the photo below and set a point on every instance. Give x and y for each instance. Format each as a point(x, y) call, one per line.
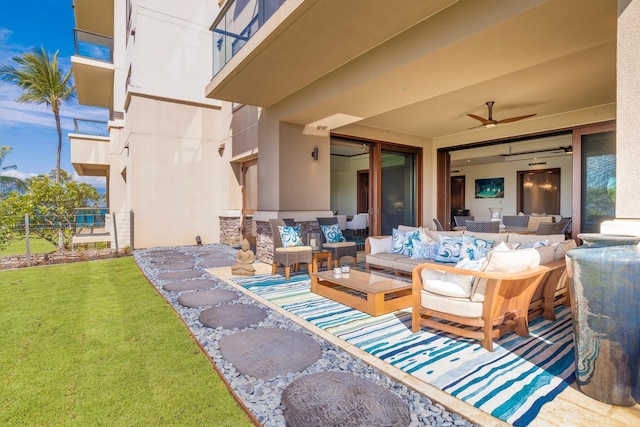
point(314, 153)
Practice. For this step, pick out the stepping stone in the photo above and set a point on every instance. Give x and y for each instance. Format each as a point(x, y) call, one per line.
point(189, 285)
point(268, 352)
point(172, 266)
point(170, 259)
point(341, 399)
point(206, 298)
point(232, 316)
point(164, 253)
point(212, 263)
point(179, 275)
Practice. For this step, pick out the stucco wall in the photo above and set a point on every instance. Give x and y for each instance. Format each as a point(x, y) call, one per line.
point(628, 148)
point(175, 173)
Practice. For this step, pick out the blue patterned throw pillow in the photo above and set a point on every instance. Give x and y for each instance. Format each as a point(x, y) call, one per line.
point(474, 248)
point(425, 250)
point(449, 249)
point(402, 243)
point(290, 236)
point(332, 233)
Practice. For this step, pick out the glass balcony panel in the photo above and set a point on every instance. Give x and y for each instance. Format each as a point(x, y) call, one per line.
point(94, 46)
point(91, 127)
point(239, 21)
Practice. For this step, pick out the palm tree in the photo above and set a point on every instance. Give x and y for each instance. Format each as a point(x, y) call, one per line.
point(8, 183)
point(42, 82)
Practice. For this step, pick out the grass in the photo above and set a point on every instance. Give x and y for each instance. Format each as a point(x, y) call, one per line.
point(92, 343)
point(19, 247)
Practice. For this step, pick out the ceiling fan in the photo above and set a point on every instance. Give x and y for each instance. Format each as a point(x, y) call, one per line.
point(490, 122)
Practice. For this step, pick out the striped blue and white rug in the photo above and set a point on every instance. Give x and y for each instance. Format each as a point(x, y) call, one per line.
point(511, 383)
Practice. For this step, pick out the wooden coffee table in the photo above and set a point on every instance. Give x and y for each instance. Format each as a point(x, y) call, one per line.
point(372, 293)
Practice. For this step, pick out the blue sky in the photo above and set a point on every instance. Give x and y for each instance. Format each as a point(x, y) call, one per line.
point(28, 129)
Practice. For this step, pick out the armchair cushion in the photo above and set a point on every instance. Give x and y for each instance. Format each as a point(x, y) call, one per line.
point(402, 243)
point(446, 283)
point(449, 249)
point(505, 262)
point(290, 235)
point(293, 249)
point(332, 233)
point(338, 245)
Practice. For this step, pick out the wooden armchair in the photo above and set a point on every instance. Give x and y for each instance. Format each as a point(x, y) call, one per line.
point(481, 305)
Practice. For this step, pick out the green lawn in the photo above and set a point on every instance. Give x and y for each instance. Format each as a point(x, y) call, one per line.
point(92, 343)
point(19, 246)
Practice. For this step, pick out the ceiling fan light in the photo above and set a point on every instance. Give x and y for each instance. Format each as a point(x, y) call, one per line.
point(490, 125)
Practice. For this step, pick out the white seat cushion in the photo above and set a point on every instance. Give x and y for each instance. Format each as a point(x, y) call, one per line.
point(294, 249)
point(462, 307)
point(382, 260)
point(338, 245)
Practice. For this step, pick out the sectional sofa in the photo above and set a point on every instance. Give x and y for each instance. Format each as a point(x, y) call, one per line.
point(552, 249)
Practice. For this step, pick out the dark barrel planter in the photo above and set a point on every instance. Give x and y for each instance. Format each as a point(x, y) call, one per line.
point(605, 301)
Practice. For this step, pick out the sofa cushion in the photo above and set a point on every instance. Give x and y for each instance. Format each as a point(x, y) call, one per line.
point(425, 250)
point(547, 254)
point(380, 245)
point(435, 235)
point(475, 248)
point(406, 265)
point(402, 243)
point(496, 237)
point(382, 260)
point(533, 245)
point(561, 248)
point(462, 307)
point(449, 249)
point(531, 238)
point(505, 262)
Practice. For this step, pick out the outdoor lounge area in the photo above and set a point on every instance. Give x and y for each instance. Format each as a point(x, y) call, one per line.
point(404, 355)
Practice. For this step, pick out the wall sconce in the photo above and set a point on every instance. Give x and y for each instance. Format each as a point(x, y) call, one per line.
point(314, 153)
point(221, 149)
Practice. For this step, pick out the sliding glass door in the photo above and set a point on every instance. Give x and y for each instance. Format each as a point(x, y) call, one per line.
point(597, 177)
point(399, 189)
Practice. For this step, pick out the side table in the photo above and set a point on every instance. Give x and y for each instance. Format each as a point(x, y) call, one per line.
point(321, 255)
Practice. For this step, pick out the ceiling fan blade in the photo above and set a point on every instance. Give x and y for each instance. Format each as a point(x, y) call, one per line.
point(515, 119)
point(482, 120)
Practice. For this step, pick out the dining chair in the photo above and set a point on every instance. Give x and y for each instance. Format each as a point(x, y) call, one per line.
point(550, 228)
point(483, 226)
point(460, 220)
point(438, 224)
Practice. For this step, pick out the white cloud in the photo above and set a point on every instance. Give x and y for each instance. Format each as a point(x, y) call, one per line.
point(18, 174)
point(96, 181)
point(5, 33)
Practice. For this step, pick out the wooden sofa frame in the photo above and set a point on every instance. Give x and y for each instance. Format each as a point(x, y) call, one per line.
point(505, 307)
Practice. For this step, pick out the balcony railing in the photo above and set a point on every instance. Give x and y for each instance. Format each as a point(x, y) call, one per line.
point(237, 22)
point(94, 46)
point(91, 127)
